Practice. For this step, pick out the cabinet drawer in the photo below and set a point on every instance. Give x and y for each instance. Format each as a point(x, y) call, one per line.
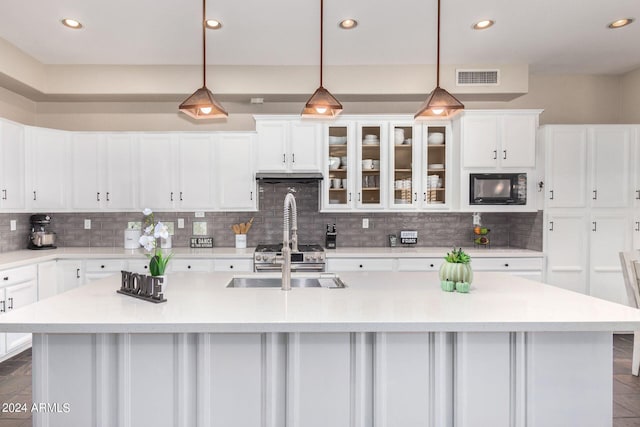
point(139, 266)
point(360, 264)
point(419, 264)
point(190, 265)
point(18, 275)
point(506, 264)
point(97, 265)
point(243, 265)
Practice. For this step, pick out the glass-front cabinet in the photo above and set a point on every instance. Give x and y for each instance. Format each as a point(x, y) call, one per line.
point(372, 160)
point(404, 163)
point(338, 183)
point(436, 160)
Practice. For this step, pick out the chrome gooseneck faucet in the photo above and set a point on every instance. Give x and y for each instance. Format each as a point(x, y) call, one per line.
point(290, 212)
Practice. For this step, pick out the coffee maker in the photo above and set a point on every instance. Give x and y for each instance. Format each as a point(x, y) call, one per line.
point(40, 238)
point(330, 242)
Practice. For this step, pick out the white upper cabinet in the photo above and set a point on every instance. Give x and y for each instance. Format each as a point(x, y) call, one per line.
point(610, 156)
point(86, 171)
point(120, 171)
point(48, 169)
point(196, 174)
point(156, 171)
point(288, 145)
point(635, 187)
point(404, 165)
point(236, 183)
point(499, 139)
point(566, 166)
point(12, 191)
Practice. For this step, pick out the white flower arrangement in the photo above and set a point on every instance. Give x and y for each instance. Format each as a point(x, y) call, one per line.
point(149, 240)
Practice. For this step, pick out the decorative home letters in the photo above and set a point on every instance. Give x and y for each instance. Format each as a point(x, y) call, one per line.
point(142, 286)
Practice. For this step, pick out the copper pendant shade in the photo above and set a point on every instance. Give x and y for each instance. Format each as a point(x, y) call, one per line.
point(201, 104)
point(321, 104)
point(440, 103)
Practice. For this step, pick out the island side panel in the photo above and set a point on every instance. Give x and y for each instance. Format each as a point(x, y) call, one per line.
point(569, 379)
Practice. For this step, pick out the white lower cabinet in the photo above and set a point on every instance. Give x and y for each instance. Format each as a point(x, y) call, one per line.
point(360, 264)
point(70, 275)
point(243, 265)
point(18, 288)
point(99, 269)
point(528, 268)
point(177, 265)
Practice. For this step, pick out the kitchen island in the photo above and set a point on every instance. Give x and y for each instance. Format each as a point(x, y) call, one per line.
point(391, 349)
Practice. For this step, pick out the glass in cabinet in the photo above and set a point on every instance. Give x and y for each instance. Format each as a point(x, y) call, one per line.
point(371, 165)
point(337, 183)
point(404, 140)
point(437, 140)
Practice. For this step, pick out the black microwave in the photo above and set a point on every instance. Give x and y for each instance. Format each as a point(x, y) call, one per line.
point(498, 189)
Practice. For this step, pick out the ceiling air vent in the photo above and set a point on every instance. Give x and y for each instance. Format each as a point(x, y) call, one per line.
point(477, 77)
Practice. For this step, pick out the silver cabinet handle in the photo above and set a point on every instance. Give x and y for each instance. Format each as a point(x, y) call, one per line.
point(637, 194)
point(424, 197)
point(637, 225)
point(251, 196)
point(108, 199)
point(551, 191)
point(34, 195)
point(181, 196)
point(171, 197)
point(550, 225)
point(358, 196)
point(595, 226)
point(293, 157)
point(495, 154)
point(4, 194)
point(77, 273)
point(98, 196)
point(4, 307)
point(595, 194)
point(349, 196)
point(10, 303)
point(415, 197)
point(504, 154)
point(284, 158)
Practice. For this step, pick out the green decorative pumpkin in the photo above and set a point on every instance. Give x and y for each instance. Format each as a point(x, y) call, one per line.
point(456, 272)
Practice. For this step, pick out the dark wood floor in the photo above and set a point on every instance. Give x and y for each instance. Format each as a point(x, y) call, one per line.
point(15, 387)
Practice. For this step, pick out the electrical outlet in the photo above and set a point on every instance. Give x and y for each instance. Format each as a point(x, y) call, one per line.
point(180, 222)
point(199, 214)
point(13, 225)
point(365, 222)
point(87, 224)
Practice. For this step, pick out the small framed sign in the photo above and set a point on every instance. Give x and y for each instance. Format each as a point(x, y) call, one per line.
point(201, 242)
point(408, 237)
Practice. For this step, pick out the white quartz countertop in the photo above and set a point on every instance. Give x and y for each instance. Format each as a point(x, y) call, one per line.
point(25, 257)
point(391, 302)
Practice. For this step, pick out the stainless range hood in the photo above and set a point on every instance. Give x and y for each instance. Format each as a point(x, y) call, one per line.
point(289, 177)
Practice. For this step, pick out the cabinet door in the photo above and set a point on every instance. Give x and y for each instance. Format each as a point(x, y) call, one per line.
point(609, 236)
point(12, 164)
point(636, 232)
point(236, 181)
point(566, 160)
point(48, 169)
point(339, 171)
point(47, 279)
point(18, 296)
point(610, 154)
point(156, 172)
point(272, 145)
point(70, 275)
point(196, 172)
point(518, 137)
point(479, 141)
point(372, 164)
point(121, 169)
point(436, 182)
point(636, 167)
point(404, 160)
point(86, 165)
point(566, 241)
point(305, 142)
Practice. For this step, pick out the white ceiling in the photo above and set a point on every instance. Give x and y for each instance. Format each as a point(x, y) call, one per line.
point(559, 36)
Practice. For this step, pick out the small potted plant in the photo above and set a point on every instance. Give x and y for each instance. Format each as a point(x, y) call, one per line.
point(153, 232)
point(457, 267)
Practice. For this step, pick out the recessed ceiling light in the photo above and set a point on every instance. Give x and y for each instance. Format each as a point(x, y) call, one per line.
point(347, 24)
point(483, 25)
point(71, 23)
point(620, 23)
point(213, 24)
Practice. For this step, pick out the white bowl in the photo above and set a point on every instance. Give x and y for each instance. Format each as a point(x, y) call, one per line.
point(375, 164)
point(435, 138)
point(367, 164)
point(371, 136)
point(337, 140)
point(407, 141)
point(435, 166)
point(334, 162)
point(370, 141)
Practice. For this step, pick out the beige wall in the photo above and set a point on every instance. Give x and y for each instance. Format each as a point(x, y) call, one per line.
point(630, 97)
point(570, 99)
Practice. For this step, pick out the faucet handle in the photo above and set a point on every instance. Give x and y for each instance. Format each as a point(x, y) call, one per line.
point(292, 190)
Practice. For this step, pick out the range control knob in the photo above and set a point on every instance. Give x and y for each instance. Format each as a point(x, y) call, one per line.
point(258, 257)
point(308, 258)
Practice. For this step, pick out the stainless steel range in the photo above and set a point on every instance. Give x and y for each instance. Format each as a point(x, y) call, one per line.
point(309, 258)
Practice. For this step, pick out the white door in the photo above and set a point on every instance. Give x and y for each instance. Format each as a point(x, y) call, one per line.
point(566, 166)
point(404, 166)
point(338, 185)
point(271, 152)
point(609, 236)
point(86, 166)
point(196, 172)
point(372, 163)
point(18, 296)
point(12, 164)
point(48, 169)
point(70, 275)
point(305, 144)
point(236, 187)
point(155, 173)
point(121, 170)
point(518, 137)
point(566, 241)
point(479, 141)
point(610, 156)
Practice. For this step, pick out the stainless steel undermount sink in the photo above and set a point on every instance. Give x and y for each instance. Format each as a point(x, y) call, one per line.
point(322, 280)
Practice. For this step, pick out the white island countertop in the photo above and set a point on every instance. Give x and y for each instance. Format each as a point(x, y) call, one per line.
point(385, 302)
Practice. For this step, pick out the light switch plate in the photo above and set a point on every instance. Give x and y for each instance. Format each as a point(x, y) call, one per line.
point(180, 222)
point(87, 224)
point(13, 225)
point(199, 214)
point(365, 222)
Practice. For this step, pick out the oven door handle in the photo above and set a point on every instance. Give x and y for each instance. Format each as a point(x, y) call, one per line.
point(294, 267)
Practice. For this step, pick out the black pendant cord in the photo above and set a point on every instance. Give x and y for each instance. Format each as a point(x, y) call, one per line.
point(321, 37)
point(204, 43)
point(438, 50)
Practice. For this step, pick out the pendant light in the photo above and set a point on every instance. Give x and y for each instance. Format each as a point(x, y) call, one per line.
point(202, 105)
point(440, 103)
point(321, 104)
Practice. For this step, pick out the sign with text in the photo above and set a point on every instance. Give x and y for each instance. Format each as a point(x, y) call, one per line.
point(141, 286)
point(201, 242)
